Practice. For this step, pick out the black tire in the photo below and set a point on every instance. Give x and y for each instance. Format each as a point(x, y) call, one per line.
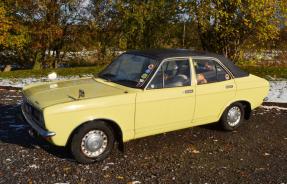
point(224, 118)
point(78, 136)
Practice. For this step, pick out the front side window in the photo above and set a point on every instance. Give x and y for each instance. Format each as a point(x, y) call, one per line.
point(209, 71)
point(175, 73)
point(129, 70)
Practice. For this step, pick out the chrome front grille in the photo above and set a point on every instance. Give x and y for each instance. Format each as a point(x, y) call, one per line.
point(33, 113)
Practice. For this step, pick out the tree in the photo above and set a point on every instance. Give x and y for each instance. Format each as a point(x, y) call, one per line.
point(13, 35)
point(145, 24)
point(52, 25)
point(134, 24)
point(227, 27)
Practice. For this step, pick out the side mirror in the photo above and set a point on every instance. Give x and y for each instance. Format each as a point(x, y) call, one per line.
point(52, 76)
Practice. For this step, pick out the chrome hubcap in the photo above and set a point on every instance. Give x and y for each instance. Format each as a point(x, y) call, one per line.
point(233, 116)
point(94, 143)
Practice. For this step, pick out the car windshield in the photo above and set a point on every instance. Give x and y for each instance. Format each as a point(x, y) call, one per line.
point(129, 70)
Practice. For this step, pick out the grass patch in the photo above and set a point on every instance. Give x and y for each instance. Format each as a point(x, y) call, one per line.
point(273, 71)
point(276, 72)
point(45, 72)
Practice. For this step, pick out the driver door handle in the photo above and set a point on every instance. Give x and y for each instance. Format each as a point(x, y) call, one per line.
point(229, 86)
point(188, 91)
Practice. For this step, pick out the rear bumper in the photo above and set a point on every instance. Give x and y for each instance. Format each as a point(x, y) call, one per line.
point(42, 132)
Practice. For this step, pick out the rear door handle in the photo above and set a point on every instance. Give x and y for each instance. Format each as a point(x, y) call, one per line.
point(188, 91)
point(229, 86)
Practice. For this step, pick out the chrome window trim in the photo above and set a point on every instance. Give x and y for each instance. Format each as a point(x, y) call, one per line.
point(166, 60)
point(214, 59)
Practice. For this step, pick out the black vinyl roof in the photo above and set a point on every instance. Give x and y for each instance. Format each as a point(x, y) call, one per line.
point(161, 54)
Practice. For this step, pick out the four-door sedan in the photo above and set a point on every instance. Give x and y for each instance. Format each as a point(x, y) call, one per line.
point(141, 93)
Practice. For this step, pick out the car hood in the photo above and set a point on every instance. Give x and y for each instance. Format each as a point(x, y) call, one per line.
point(48, 94)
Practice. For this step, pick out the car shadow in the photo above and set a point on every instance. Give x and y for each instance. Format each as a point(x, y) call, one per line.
point(213, 126)
point(14, 130)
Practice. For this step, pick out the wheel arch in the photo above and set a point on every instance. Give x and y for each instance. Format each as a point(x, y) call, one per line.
point(246, 105)
point(247, 108)
point(114, 126)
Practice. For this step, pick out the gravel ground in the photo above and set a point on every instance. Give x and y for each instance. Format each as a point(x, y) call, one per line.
point(255, 153)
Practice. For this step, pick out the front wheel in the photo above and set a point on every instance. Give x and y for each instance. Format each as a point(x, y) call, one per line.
point(92, 142)
point(232, 117)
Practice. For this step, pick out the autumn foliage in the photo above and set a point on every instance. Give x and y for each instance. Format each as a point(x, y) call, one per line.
point(46, 33)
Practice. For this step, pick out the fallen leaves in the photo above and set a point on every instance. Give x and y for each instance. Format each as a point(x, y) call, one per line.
point(195, 151)
point(120, 177)
point(67, 169)
point(134, 182)
point(191, 149)
point(34, 166)
point(266, 154)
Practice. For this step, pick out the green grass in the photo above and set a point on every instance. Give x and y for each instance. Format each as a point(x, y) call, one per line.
point(276, 72)
point(45, 72)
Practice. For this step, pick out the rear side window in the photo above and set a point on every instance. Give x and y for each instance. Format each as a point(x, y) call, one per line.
point(209, 71)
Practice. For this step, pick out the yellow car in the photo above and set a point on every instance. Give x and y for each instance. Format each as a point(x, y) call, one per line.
point(141, 93)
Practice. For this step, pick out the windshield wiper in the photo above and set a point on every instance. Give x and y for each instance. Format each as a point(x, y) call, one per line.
point(107, 76)
point(126, 81)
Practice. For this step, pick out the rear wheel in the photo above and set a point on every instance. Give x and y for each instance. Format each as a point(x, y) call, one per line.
point(232, 117)
point(92, 142)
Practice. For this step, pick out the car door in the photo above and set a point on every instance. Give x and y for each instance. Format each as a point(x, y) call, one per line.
point(214, 90)
point(168, 101)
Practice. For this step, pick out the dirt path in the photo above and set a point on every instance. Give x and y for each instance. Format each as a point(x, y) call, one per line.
point(255, 153)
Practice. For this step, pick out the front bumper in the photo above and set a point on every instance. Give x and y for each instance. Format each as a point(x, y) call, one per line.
point(37, 128)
